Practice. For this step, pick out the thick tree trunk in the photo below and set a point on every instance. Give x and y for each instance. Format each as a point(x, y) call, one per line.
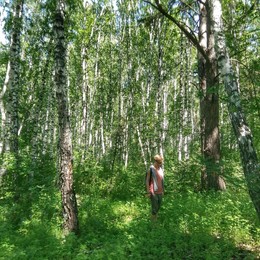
point(69, 203)
point(242, 131)
point(209, 105)
point(210, 141)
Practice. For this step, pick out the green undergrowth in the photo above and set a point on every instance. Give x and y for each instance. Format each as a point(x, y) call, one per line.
point(190, 226)
point(114, 217)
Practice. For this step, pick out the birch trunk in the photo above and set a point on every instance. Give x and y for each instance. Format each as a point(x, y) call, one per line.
point(9, 92)
point(4, 143)
point(11, 84)
point(85, 90)
point(180, 101)
point(69, 203)
point(159, 94)
point(241, 129)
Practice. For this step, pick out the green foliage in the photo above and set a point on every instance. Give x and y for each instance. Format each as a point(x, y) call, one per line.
point(124, 81)
point(115, 222)
point(183, 176)
point(119, 183)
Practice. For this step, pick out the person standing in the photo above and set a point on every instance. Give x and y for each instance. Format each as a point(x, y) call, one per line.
point(155, 185)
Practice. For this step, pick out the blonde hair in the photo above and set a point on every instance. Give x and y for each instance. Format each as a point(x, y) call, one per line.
point(158, 158)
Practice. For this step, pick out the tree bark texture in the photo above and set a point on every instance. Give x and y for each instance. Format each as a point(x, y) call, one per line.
point(241, 129)
point(209, 105)
point(11, 84)
point(69, 203)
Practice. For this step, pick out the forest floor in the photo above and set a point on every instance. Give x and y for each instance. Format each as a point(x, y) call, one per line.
point(190, 226)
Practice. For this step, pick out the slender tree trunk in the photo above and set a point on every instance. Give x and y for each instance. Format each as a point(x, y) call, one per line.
point(11, 85)
point(4, 143)
point(141, 146)
point(187, 104)
point(4, 146)
point(183, 104)
point(69, 203)
point(165, 92)
point(85, 90)
point(159, 94)
point(15, 75)
point(180, 100)
point(242, 131)
point(9, 95)
point(202, 82)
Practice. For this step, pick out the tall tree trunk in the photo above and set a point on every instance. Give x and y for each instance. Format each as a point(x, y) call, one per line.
point(85, 112)
point(11, 85)
point(159, 94)
point(69, 203)
point(9, 95)
point(15, 75)
point(188, 92)
point(210, 102)
point(242, 131)
point(202, 82)
point(4, 145)
point(180, 100)
point(211, 146)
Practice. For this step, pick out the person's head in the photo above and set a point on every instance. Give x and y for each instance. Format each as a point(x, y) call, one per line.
point(158, 159)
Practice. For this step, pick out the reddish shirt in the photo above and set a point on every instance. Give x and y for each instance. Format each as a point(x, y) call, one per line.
point(158, 183)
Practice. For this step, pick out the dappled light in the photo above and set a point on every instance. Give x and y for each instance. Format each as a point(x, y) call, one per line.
point(190, 224)
point(129, 130)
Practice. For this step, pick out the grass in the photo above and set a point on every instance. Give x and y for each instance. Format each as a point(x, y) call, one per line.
point(114, 218)
point(190, 226)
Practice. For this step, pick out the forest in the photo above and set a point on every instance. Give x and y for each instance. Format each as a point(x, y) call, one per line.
point(91, 91)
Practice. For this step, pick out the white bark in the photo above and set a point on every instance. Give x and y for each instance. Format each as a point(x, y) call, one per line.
point(141, 146)
point(9, 110)
point(241, 129)
point(4, 143)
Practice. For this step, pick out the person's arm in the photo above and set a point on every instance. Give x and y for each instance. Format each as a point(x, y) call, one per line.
point(163, 183)
point(148, 177)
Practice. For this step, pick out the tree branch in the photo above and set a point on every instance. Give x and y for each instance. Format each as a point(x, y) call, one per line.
point(192, 38)
point(190, 7)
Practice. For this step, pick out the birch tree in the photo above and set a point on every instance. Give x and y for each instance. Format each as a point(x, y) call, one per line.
point(69, 203)
point(241, 129)
point(9, 93)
